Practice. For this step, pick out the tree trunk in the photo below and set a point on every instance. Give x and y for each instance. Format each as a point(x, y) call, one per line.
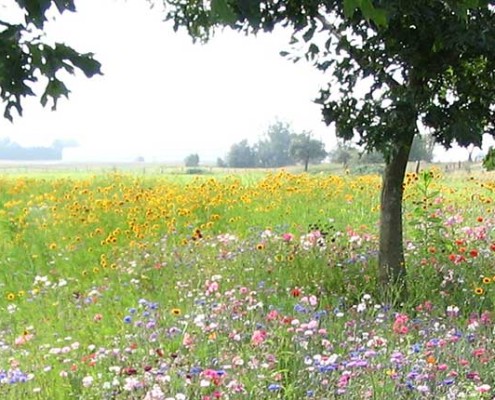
point(306, 163)
point(392, 271)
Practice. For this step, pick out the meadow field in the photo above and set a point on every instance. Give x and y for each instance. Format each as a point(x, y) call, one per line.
point(157, 286)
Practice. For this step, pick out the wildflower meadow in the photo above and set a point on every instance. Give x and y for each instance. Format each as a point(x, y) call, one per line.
point(118, 286)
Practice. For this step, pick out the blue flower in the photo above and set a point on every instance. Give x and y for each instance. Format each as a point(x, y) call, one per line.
point(299, 308)
point(127, 319)
point(273, 387)
point(449, 381)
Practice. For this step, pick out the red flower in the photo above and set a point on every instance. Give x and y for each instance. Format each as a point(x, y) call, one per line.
point(473, 253)
point(296, 292)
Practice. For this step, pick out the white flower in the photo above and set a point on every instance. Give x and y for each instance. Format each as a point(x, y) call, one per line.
point(87, 381)
point(11, 308)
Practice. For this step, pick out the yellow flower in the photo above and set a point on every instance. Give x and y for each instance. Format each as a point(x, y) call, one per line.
point(175, 311)
point(486, 280)
point(11, 296)
point(52, 246)
point(260, 246)
point(479, 291)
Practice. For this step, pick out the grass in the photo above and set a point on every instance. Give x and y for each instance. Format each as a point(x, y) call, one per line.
point(162, 286)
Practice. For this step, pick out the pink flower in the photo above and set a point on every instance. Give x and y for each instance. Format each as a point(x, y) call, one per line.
point(287, 237)
point(258, 337)
point(483, 388)
point(211, 287)
point(478, 352)
point(273, 314)
point(188, 340)
point(400, 326)
point(23, 339)
point(485, 318)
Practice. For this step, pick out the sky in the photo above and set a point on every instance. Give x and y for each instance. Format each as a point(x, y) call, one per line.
point(163, 97)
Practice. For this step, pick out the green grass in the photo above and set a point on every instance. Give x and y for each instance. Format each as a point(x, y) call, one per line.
point(222, 286)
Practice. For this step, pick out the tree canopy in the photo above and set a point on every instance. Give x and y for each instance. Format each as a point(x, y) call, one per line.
point(305, 149)
point(273, 149)
point(26, 56)
point(393, 66)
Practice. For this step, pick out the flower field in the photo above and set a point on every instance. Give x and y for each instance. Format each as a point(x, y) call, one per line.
point(239, 287)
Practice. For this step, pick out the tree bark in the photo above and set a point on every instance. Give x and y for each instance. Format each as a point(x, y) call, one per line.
point(392, 270)
point(306, 163)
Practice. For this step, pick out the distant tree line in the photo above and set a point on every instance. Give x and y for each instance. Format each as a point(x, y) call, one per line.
point(347, 153)
point(12, 151)
point(280, 146)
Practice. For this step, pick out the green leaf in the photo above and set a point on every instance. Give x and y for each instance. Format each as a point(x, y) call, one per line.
point(222, 12)
point(308, 35)
point(371, 13)
point(54, 90)
point(350, 7)
point(380, 17)
point(63, 5)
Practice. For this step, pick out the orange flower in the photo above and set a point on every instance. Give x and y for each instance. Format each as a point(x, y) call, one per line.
point(431, 360)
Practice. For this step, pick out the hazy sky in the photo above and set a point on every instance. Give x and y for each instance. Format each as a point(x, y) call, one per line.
point(163, 97)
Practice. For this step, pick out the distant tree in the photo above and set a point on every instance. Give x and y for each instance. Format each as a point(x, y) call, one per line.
point(305, 149)
point(241, 155)
point(273, 149)
point(489, 160)
point(192, 160)
point(344, 153)
point(422, 148)
point(371, 157)
point(13, 151)
point(26, 55)
point(221, 163)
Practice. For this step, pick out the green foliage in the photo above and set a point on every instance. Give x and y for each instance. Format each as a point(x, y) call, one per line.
point(192, 160)
point(241, 155)
point(279, 147)
point(343, 153)
point(273, 150)
point(25, 57)
point(305, 149)
point(489, 160)
point(221, 163)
